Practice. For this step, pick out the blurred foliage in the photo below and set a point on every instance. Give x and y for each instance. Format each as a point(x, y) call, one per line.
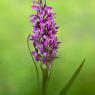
point(76, 19)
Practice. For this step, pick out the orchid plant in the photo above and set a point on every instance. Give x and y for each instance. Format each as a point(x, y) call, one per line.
point(46, 44)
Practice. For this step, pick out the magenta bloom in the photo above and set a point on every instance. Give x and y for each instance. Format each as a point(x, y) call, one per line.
point(44, 36)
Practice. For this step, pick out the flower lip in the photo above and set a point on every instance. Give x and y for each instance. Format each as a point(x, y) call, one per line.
point(34, 2)
point(36, 7)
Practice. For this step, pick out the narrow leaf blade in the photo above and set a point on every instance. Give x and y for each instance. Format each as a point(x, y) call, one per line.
point(32, 58)
point(65, 90)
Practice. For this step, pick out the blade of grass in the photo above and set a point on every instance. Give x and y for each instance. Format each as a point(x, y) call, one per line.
point(65, 90)
point(32, 58)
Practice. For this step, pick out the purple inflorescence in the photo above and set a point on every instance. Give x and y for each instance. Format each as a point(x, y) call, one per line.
point(44, 36)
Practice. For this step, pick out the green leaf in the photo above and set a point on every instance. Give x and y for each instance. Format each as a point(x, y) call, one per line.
point(33, 58)
point(65, 90)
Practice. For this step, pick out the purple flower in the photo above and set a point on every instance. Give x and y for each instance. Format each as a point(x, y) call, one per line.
point(44, 36)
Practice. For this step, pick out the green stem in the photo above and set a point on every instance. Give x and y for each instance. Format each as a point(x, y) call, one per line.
point(46, 74)
point(44, 81)
point(50, 72)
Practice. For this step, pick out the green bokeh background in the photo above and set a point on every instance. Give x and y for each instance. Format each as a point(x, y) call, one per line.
point(76, 19)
